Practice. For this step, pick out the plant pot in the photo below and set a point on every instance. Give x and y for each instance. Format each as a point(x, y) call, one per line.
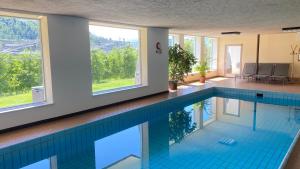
point(202, 79)
point(173, 84)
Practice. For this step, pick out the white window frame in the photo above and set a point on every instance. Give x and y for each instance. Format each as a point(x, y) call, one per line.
point(45, 57)
point(142, 51)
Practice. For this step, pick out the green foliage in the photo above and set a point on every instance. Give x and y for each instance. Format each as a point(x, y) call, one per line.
point(12, 28)
point(112, 84)
point(189, 45)
point(180, 124)
point(20, 72)
point(117, 64)
point(180, 62)
point(202, 67)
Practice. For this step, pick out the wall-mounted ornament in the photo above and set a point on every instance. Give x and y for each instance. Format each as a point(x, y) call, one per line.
point(158, 48)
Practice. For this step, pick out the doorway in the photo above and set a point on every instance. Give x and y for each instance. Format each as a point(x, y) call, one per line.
point(233, 60)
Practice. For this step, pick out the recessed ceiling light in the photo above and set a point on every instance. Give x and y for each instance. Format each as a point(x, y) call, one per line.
point(291, 29)
point(231, 33)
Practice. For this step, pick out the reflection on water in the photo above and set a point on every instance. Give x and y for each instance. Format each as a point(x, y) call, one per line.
point(186, 137)
point(120, 149)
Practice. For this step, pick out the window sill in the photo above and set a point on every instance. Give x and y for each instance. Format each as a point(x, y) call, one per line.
point(116, 90)
point(23, 107)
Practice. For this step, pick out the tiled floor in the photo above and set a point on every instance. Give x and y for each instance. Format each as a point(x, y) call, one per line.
point(21, 135)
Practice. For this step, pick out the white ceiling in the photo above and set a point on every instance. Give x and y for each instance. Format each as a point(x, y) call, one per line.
point(193, 16)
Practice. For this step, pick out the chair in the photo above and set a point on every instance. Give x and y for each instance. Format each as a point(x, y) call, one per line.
point(265, 71)
point(281, 72)
point(249, 70)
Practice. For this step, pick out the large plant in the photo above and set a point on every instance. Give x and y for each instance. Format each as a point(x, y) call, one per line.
point(202, 67)
point(180, 63)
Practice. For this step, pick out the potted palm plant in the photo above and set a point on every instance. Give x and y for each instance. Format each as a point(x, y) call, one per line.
point(202, 68)
point(180, 64)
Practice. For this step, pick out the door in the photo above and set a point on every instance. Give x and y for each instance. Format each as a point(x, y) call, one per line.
point(233, 60)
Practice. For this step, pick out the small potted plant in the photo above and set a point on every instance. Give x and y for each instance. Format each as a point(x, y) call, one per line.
point(180, 64)
point(202, 68)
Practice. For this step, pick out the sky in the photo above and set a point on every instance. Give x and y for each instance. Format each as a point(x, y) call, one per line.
point(114, 33)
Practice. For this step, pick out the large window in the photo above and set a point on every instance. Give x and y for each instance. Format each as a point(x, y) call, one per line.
point(210, 52)
point(115, 54)
point(21, 61)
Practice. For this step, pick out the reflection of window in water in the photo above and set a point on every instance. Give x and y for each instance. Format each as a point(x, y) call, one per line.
point(120, 150)
point(191, 119)
point(205, 109)
point(231, 107)
point(49, 163)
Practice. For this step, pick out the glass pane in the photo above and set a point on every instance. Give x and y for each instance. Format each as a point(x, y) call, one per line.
point(173, 39)
point(21, 75)
point(115, 57)
point(210, 52)
point(233, 58)
point(190, 44)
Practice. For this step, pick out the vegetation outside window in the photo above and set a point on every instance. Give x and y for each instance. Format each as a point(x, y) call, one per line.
point(115, 57)
point(210, 52)
point(21, 62)
point(190, 43)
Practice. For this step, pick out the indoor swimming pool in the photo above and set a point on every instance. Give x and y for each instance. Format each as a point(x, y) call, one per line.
point(213, 128)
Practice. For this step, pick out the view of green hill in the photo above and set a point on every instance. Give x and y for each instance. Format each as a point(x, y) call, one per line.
point(18, 29)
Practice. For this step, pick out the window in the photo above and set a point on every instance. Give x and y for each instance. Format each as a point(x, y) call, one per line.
point(173, 39)
point(210, 52)
point(115, 57)
point(21, 60)
point(190, 44)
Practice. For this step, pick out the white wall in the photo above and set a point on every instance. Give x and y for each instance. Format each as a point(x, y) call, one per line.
point(71, 72)
point(274, 48)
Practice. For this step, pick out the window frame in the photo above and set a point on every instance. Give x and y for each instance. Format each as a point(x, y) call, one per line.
point(45, 60)
point(141, 58)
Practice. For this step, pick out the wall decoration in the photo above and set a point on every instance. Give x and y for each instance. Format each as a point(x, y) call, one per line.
point(158, 48)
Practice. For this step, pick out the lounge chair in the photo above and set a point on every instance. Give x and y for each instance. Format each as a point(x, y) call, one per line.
point(281, 72)
point(265, 71)
point(249, 70)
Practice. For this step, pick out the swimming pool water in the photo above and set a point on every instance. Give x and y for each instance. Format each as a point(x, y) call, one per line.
point(217, 132)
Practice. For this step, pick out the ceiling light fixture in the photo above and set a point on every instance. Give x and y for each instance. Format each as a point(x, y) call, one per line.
point(291, 29)
point(231, 33)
